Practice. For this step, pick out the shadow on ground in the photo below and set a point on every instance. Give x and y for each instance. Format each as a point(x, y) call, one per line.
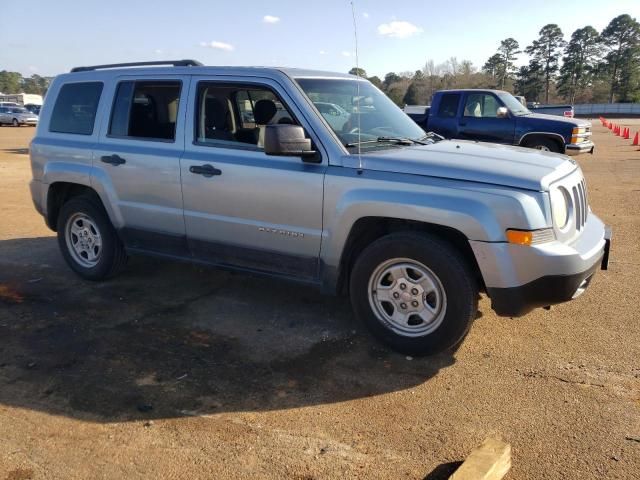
point(17, 151)
point(169, 339)
point(443, 471)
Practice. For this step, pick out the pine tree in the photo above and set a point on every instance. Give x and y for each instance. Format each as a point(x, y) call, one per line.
point(579, 64)
point(546, 52)
point(622, 40)
point(508, 51)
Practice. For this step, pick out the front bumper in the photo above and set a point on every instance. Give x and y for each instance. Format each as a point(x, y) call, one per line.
point(545, 291)
point(578, 148)
point(520, 278)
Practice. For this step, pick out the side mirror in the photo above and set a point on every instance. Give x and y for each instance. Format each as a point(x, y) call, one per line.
point(502, 112)
point(287, 140)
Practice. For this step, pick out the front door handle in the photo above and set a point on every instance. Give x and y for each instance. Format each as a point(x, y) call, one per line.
point(206, 170)
point(113, 159)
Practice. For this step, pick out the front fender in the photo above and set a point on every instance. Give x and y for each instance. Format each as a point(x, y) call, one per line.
point(480, 212)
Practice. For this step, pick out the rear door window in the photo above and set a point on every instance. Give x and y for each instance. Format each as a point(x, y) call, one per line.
point(146, 110)
point(75, 108)
point(449, 105)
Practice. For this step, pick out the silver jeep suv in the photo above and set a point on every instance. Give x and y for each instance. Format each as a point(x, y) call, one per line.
point(245, 168)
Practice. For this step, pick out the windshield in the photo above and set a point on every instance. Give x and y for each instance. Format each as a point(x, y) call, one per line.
point(513, 104)
point(367, 116)
point(19, 110)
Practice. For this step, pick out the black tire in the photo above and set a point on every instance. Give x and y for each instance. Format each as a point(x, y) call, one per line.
point(546, 144)
point(112, 257)
point(450, 269)
point(15, 122)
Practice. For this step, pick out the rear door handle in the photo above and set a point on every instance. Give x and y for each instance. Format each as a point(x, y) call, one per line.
point(113, 159)
point(206, 170)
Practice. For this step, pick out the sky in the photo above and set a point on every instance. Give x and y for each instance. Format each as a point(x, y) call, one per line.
point(48, 37)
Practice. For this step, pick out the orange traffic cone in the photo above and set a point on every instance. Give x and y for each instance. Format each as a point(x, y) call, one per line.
point(636, 139)
point(610, 126)
point(626, 133)
point(616, 131)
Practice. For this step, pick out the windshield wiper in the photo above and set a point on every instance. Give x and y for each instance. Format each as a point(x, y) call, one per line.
point(401, 140)
point(395, 140)
point(432, 136)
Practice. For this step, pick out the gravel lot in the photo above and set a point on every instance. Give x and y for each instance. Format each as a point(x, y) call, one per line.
point(179, 371)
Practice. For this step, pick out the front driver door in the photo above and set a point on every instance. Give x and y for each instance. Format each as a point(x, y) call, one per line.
point(479, 120)
point(242, 207)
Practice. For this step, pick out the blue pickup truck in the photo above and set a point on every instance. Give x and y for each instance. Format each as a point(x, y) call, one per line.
point(498, 117)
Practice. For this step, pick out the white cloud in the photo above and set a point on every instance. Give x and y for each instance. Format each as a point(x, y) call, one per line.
point(346, 53)
point(322, 52)
point(158, 51)
point(270, 19)
point(365, 14)
point(398, 29)
point(227, 47)
point(33, 68)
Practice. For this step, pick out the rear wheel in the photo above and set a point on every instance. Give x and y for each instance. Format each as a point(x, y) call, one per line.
point(414, 292)
point(544, 144)
point(88, 241)
point(15, 122)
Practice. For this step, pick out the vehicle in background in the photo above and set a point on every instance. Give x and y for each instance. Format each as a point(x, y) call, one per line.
point(559, 110)
point(521, 99)
point(335, 115)
point(9, 104)
point(17, 116)
point(33, 108)
point(22, 98)
point(496, 116)
point(412, 227)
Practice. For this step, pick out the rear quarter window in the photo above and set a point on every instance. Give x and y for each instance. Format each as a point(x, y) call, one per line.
point(75, 108)
point(449, 105)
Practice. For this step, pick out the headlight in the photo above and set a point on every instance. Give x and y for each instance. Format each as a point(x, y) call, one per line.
point(559, 206)
point(579, 134)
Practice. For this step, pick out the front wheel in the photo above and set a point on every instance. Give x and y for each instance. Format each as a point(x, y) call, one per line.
point(15, 122)
point(414, 292)
point(544, 144)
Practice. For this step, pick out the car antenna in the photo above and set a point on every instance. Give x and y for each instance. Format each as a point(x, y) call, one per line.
point(355, 35)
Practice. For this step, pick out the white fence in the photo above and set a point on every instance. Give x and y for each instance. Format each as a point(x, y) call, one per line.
point(618, 109)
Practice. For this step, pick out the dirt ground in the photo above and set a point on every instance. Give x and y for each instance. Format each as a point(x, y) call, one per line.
point(179, 371)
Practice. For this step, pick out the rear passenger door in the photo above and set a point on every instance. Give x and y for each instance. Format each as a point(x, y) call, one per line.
point(243, 207)
point(137, 160)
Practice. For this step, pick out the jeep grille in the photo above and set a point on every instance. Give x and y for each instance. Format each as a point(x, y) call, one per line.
point(580, 203)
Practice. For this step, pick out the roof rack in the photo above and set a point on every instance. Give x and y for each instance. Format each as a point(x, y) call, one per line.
point(175, 63)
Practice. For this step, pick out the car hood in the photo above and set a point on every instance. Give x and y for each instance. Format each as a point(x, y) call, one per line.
point(471, 161)
point(572, 122)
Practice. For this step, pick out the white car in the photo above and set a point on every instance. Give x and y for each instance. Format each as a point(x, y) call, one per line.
point(17, 116)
